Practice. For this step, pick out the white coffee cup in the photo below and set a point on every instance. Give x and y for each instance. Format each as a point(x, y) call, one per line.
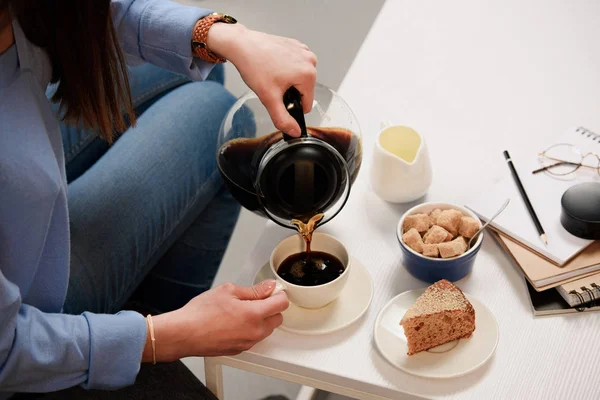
point(401, 169)
point(310, 296)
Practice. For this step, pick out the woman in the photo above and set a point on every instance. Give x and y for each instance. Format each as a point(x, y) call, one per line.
point(64, 266)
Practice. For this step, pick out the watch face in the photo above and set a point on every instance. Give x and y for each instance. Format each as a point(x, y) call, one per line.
point(228, 19)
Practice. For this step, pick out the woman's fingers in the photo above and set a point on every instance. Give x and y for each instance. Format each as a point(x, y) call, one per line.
point(312, 57)
point(261, 310)
point(307, 89)
point(261, 290)
point(279, 114)
point(273, 305)
point(308, 78)
point(273, 322)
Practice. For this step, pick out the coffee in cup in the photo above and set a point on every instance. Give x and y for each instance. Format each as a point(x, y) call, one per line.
point(317, 295)
point(310, 269)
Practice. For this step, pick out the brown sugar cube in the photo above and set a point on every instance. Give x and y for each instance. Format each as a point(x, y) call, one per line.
point(435, 214)
point(413, 239)
point(450, 220)
point(454, 248)
point(431, 250)
point(468, 227)
point(421, 222)
point(462, 242)
point(437, 234)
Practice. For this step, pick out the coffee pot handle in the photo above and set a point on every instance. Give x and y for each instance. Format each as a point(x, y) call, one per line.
point(292, 99)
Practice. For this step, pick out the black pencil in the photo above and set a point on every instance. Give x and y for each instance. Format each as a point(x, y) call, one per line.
point(536, 221)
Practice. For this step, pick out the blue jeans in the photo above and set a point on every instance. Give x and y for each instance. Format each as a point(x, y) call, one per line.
point(149, 212)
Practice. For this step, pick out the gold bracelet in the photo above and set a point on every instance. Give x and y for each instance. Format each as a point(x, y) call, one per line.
point(152, 339)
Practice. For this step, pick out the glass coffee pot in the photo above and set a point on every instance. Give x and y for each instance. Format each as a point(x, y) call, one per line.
point(285, 178)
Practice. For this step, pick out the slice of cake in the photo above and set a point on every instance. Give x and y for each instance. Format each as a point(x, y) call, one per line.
point(440, 315)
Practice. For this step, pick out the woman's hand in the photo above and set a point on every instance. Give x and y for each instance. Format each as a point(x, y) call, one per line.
point(269, 65)
point(223, 321)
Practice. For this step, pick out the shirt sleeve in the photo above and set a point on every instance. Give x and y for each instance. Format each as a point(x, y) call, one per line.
point(43, 352)
point(160, 32)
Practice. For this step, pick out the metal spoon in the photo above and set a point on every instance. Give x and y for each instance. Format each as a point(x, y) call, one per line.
point(474, 238)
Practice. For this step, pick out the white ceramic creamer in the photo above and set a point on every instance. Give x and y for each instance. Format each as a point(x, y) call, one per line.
point(401, 169)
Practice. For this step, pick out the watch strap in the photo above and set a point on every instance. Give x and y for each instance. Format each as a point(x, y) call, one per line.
point(200, 35)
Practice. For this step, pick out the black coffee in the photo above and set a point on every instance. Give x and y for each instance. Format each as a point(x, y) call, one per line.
point(238, 161)
point(310, 269)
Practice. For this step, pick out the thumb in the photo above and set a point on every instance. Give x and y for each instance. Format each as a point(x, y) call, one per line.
point(281, 117)
point(259, 291)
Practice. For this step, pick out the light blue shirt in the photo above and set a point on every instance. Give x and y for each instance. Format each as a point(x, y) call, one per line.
point(40, 348)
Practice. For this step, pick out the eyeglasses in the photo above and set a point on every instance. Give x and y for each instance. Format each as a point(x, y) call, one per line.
point(563, 159)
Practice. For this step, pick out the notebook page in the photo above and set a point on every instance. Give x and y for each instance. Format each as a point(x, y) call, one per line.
point(545, 193)
point(544, 274)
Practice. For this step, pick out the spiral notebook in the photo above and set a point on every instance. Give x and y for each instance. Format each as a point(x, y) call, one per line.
point(545, 193)
point(550, 302)
point(581, 291)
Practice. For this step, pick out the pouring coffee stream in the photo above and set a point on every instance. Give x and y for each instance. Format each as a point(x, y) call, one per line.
point(306, 229)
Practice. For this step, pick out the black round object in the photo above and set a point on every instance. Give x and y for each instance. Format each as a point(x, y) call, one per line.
point(302, 180)
point(581, 210)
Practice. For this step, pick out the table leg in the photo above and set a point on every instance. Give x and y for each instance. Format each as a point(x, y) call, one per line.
point(307, 393)
point(214, 376)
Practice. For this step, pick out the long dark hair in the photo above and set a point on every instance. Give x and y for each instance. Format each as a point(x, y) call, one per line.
point(87, 61)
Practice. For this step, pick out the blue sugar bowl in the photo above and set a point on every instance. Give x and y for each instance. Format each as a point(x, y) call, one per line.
point(430, 269)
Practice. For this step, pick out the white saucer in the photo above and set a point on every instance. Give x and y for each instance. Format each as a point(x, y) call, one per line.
point(353, 302)
point(446, 361)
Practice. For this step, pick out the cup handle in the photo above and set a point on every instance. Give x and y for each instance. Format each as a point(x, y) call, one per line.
point(279, 287)
point(386, 123)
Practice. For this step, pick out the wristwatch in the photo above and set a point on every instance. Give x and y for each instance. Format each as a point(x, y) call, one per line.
point(199, 46)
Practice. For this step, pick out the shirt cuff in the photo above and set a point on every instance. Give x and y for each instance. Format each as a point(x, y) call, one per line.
point(116, 345)
point(165, 37)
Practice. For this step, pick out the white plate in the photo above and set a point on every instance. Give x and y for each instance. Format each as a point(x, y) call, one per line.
point(446, 361)
point(353, 302)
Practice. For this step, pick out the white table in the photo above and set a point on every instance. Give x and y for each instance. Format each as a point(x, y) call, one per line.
point(474, 79)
